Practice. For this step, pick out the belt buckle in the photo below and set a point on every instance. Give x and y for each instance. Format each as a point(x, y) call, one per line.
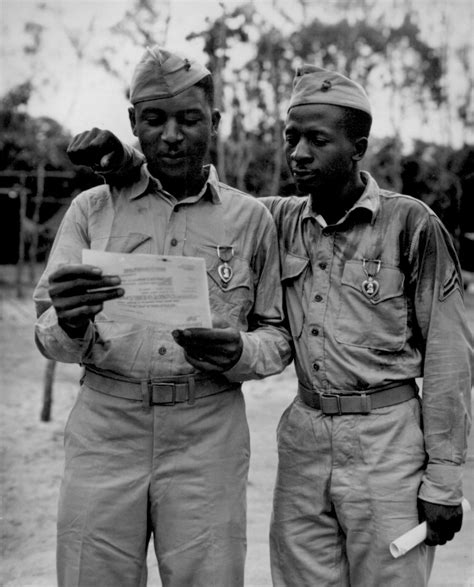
point(172, 402)
point(331, 396)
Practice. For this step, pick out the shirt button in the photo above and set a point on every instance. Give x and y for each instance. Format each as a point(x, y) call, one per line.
point(173, 242)
point(315, 332)
point(323, 266)
point(318, 298)
point(162, 350)
point(315, 366)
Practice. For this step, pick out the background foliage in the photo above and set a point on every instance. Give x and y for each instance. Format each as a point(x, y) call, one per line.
point(408, 71)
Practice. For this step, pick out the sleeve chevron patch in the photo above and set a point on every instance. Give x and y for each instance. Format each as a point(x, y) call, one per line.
point(450, 285)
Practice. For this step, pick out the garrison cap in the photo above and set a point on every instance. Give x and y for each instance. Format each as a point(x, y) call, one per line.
point(315, 85)
point(162, 74)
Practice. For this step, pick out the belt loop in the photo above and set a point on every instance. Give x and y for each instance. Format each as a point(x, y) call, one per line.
point(191, 390)
point(146, 395)
point(365, 403)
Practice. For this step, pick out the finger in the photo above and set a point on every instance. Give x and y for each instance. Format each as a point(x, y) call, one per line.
point(79, 315)
point(64, 272)
point(202, 364)
point(106, 159)
point(457, 522)
point(432, 538)
point(76, 141)
point(103, 143)
point(82, 146)
point(215, 353)
point(88, 146)
point(89, 299)
point(212, 336)
point(82, 286)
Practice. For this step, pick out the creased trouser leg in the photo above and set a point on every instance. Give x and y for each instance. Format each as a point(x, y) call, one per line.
point(179, 471)
point(102, 519)
point(198, 493)
point(347, 486)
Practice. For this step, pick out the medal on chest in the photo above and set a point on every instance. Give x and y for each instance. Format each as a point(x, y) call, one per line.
point(371, 286)
point(224, 270)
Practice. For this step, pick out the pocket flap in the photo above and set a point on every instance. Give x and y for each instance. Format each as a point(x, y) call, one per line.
point(133, 241)
point(390, 280)
point(120, 244)
point(293, 265)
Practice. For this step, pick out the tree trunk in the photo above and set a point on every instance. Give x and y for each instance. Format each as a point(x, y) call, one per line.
point(33, 256)
point(21, 238)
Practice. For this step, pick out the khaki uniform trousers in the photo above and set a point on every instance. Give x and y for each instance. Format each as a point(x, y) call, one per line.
point(346, 487)
point(178, 473)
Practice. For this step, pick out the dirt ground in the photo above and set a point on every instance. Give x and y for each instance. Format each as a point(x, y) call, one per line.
point(32, 460)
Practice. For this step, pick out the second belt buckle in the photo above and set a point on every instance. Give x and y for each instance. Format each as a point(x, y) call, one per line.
point(327, 407)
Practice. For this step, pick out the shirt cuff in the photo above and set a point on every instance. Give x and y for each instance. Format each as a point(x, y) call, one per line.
point(57, 344)
point(442, 484)
point(241, 371)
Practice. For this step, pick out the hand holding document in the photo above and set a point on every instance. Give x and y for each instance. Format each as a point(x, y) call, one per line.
point(169, 291)
point(415, 536)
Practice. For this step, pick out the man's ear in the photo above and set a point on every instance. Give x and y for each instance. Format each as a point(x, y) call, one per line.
point(133, 121)
point(360, 148)
point(216, 118)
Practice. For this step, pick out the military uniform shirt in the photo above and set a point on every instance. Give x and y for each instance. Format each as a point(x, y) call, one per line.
point(143, 218)
point(414, 325)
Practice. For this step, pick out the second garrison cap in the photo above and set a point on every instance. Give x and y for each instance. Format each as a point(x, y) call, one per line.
point(163, 74)
point(315, 85)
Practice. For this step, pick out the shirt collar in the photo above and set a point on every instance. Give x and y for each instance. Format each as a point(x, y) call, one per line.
point(148, 184)
point(369, 200)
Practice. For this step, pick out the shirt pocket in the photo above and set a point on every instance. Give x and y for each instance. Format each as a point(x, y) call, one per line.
point(233, 300)
point(293, 273)
point(133, 242)
point(378, 323)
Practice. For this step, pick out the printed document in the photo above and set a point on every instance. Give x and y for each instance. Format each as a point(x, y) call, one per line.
point(169, 291)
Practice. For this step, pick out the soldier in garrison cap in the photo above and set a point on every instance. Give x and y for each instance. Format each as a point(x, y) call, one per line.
point(374, 297)
point(157, 443)
point(374, 300)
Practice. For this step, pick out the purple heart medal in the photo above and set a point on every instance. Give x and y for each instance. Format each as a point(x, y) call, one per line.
point(371, 286)
point(225, 254)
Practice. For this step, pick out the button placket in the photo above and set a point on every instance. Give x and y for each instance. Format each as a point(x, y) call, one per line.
point(176, 230)
point(321, 260)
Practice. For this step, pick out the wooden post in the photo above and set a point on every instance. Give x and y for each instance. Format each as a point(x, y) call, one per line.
point(33, 253)
point(21, 240)
point(48, 390)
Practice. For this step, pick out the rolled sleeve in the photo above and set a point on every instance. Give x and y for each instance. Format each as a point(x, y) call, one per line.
point(265, 352)
point(442, 484)
point(54, 343)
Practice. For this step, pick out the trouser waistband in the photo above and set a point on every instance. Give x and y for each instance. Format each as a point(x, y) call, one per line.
point(336, 403)
point(165, 391)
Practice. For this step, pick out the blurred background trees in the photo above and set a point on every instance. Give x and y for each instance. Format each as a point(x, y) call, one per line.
point(417, 71)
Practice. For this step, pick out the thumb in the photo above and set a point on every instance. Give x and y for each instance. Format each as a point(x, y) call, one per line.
point(106, 159)
point(219, 322)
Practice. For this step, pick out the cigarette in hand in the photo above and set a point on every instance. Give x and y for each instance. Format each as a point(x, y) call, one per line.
point(415, 536)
